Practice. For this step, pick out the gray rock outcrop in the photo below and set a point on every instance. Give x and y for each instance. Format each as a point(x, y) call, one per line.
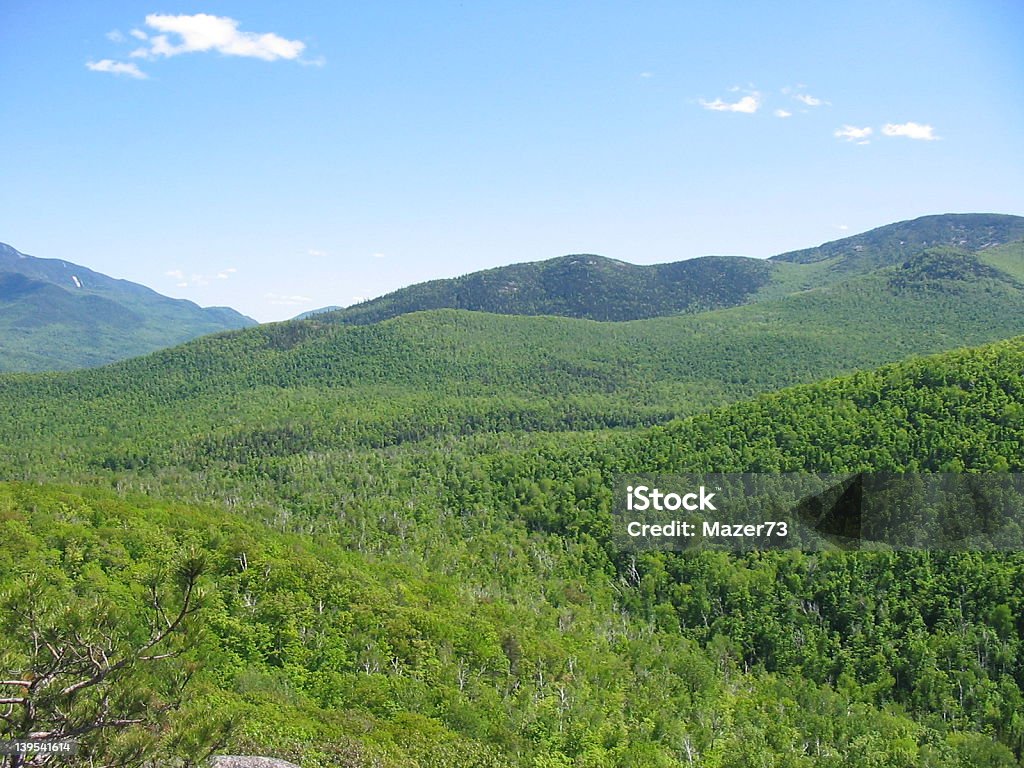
point(242, 761)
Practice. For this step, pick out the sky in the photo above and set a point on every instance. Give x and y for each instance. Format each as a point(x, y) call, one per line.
point(278, 157)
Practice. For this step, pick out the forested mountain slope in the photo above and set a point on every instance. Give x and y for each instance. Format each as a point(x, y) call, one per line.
point(584, 285)
point(461, 603)
point(55, 315)
point(460, 372)
point(889, 245)
point(597, 288)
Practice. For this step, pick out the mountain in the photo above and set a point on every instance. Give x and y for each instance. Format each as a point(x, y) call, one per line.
point(892, 243)
point(598, 288)
point(55, 315)
point(457, 372)
point(584, 286)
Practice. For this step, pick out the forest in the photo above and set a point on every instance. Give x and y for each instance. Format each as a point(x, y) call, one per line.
point(351, 541)
point(453, 597)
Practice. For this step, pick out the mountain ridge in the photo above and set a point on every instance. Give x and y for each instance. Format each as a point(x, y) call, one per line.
point(882, 245)
point(58, 315)
point(600, 288)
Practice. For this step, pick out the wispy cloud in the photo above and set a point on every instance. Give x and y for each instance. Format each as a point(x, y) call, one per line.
point(379, 256)
point(852, 133)
point(910, 131)
point(782, 113)
point(810, 101)
point(117, 68)
point(646, 74)
point(286, 301)
point(317, 253)
point(138, 34)
point(748, 104)
point(115, 36)
point(196, 280)
point(202, 32)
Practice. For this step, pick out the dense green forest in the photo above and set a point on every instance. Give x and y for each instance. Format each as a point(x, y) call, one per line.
point(460, 602)
point(447, 372)
point(356, 543)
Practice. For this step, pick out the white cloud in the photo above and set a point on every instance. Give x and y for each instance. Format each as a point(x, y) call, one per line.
point(749, 104)
point(115, 36)
point(852, 133)
point(315, 252)
point(203, 32)
point(379, 256)
point(646, 74)
point(782, 113)
point(117, 68)
point(810, 101)
point(138, 34)
point(910, 131)
point(287, 301)
point(843, 227)
point(196, 280)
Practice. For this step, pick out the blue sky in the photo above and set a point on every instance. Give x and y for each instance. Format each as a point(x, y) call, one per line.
point(279, 157)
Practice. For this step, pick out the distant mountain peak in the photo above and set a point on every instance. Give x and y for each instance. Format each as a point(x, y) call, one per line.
point(581, 285)
point(57, 315)
point(890, 244)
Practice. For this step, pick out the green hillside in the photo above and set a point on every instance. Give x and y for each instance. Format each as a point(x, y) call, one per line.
point(1009, 258)
point(597, 288)
point(888, 245)
point(55, 315)
point(461, 604)
point(585, 286)
point(452, 372)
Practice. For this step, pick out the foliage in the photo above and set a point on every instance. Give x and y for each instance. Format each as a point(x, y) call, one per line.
point(460, 602)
